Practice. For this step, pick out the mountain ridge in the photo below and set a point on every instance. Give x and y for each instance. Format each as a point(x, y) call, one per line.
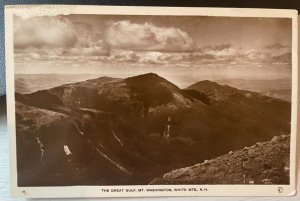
point(144, 122)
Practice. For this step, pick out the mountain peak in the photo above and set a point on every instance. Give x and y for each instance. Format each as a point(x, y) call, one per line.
point(211, 86)
point(207, 83)
point(214, 90)
point(150, 74)
point(149, 79)
point(147, 76)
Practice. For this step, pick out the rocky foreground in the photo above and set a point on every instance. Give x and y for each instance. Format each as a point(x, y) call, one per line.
point(262, 163)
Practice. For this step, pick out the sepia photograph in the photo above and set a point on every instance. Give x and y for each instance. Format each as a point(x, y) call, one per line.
point(157, 100)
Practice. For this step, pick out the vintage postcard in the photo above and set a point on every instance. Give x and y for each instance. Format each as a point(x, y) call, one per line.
point(108, 101)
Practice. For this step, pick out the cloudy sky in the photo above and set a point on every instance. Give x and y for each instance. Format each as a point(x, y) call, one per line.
point(212, 47)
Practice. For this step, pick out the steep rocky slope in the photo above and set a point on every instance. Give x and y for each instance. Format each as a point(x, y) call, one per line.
point(59, 149)
point(263, 163)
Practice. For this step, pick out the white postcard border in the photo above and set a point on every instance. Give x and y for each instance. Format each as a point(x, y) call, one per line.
point(100, 191)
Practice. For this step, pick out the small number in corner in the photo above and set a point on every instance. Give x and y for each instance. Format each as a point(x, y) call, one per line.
point(24, 192)
point(280, 190)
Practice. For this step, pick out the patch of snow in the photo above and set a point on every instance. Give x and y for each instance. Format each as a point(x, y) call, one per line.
point(120, 167)
point(80, 132)
point(67, 150)
point(41, 148)
point(116, 137)
point(168, 128)
point(100, 92)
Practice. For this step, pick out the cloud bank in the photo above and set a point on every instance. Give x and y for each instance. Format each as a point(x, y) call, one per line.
point(43, 32)
point(133, 36)
point(59, 39)
point(56, 36)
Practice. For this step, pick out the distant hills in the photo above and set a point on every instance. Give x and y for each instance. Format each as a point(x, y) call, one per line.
point(110, 131)
point(277, 88)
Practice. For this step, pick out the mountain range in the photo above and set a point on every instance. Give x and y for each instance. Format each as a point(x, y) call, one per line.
point(112, 131)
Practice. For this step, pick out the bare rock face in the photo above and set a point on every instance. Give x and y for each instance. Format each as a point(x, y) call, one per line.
point(263, 163)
